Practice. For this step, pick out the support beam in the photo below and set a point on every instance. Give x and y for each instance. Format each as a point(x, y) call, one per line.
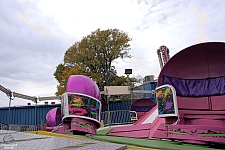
point(49, 98)
point(4, 90)
point(18, 95)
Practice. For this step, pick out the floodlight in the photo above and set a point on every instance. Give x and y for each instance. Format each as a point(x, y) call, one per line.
point(128, 71)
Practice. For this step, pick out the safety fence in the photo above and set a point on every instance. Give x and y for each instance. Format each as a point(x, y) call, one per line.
point(20, 128)
point(108, 118)
point(3, 126)
point(119, 117)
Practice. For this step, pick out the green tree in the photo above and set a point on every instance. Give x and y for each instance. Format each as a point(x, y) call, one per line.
point(93, 56)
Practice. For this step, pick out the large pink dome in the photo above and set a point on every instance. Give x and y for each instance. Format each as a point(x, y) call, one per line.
point(200, 61)
point(84, 85)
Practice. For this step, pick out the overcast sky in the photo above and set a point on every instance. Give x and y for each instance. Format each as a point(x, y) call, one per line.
point(34, 35)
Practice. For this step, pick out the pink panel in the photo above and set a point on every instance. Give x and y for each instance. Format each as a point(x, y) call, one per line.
point(134, 134)
point(63, 129)
point(208, 122)
point(162, 127)
point(197, 138)
point(162, 130)
point(131, 128)
point(195, 60)
point(193, 131)
point(216, 60)
point(218, 102)
point(201, 112)
point(193, 103)
point(215, 128)
point(160, 134)
point(220, 117)
point(83, 125)
point(155, 125)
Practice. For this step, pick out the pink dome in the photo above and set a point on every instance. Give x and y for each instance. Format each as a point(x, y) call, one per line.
point(84, 85)
point(200, 61)
point(53, 117)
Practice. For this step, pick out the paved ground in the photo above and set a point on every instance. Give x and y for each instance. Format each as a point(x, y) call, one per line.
point(41, 140)
point(29, 141)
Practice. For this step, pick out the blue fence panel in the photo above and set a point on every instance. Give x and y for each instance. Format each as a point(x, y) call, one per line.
point(119, 106)
point(116, 117)
point(3, 116)
point(104, 117)
point(120, 117)
point(25, 115)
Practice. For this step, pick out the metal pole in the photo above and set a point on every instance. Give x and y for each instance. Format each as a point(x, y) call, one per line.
point(130, 88)
point(35, 116)
point(109, 118)
point(108, 107)
point(131, 97)
point(9, 110)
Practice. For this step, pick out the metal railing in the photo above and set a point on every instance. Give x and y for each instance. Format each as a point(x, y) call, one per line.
point(20, 128)
point(118, 117)
point(4, 126)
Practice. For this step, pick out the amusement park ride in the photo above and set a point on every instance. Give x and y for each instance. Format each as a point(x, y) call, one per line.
point(80, 107)
point(190, 100)
point(163, 55)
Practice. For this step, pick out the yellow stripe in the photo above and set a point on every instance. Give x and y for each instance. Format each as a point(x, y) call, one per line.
point(55, 134)
point(78, 138)
point(139, 148)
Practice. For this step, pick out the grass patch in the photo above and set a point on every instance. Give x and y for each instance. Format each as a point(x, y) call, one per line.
point(104, 132)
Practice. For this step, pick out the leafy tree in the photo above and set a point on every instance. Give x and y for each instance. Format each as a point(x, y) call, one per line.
point(119, 81)
point(93, 56)
point(62, 74)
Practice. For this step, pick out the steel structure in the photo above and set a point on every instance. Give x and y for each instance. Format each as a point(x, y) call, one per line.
point(27, 97)
point(35, 99)
point(163, 55)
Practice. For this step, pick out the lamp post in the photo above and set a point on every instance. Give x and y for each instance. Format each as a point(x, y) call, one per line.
point(107, 96)
point(35, 114)
point(128, 72)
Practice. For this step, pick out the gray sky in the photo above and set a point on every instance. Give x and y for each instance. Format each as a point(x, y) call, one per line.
point(35, 35)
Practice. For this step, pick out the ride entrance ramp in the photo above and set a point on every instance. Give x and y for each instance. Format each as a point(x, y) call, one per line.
point(145, 127)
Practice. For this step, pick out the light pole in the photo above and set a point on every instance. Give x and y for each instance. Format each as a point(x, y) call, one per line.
point(128, 72)
point(35, 114)
point(107, 96)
